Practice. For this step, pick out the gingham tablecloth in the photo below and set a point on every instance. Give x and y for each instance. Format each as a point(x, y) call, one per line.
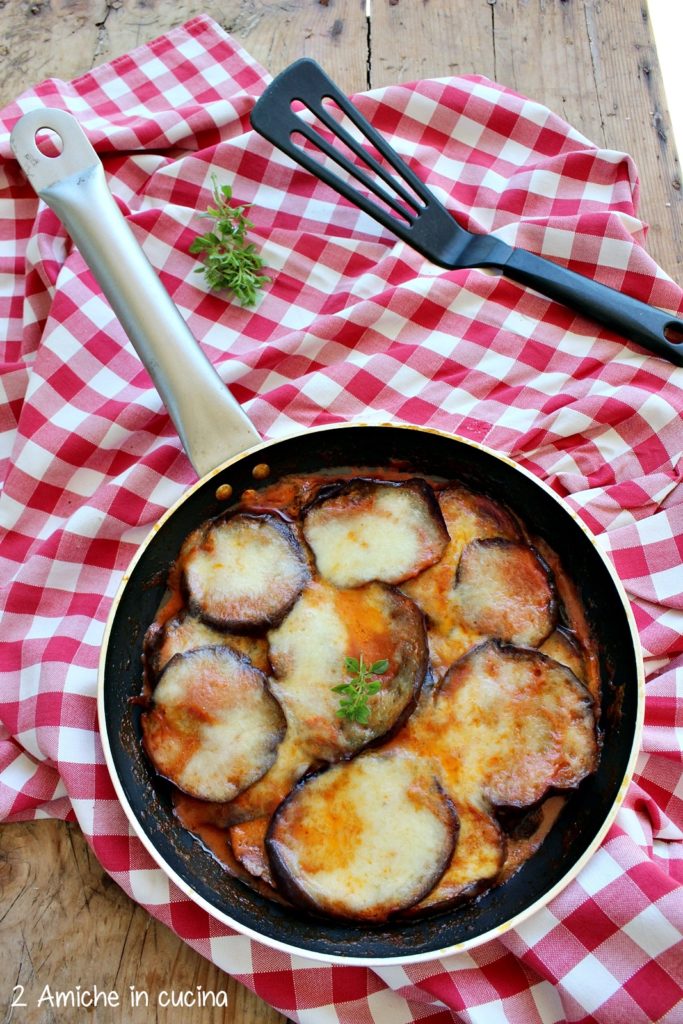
point(354, 325)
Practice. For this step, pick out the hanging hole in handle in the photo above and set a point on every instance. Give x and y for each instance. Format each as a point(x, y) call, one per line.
point(49, 142)
point(673, 332)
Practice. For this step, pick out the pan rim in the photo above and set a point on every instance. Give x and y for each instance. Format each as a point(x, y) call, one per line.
point(405, 958)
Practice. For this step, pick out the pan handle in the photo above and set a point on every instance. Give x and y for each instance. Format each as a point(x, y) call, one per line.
point(210, 423)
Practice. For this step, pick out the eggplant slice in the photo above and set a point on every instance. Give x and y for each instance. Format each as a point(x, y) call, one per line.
point(512, 724)
point(244, 572)
point(468, 517)
point(185, 632)
point(214, 728)
point(308, 652)
point(506, 725)
point(374, 530)
point(502, 590)
point(364, 839)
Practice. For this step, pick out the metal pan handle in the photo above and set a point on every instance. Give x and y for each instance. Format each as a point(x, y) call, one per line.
point(210, 423)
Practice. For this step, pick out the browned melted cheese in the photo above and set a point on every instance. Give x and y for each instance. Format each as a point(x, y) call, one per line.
point(484, 612)
point(308, 652)
point(399, 833)
point(213, 728)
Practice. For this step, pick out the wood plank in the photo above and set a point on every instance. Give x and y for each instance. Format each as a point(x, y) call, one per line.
point(593, 62)
point(64, 38)
point(38, 41)
point(65, 923)
point(410, 41)
point(636, 120)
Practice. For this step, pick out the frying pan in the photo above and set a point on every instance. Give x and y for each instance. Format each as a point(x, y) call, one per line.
point(224, 449)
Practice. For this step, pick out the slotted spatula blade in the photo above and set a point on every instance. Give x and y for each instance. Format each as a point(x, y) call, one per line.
point(394, 195)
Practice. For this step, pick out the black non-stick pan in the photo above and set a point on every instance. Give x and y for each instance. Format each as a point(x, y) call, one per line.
point(392, 194)
point(224, 448)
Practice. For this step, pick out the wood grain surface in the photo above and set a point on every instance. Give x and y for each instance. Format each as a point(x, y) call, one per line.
point(63, 923)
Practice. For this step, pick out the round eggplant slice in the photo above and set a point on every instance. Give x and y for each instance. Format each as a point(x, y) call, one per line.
point(309, 653)
point(214, 728)
point(245, 572)
point(515, 724)
point(369, 530)
point(365, 839)
point(504, 590)
point(186, 632)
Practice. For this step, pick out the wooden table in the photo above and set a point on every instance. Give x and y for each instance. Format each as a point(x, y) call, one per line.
point(64, 923)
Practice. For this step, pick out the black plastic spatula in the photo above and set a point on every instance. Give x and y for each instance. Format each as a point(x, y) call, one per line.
point(405, 206)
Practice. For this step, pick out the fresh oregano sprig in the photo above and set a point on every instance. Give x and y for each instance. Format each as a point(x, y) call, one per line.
point(361, 684)
point(230, 261)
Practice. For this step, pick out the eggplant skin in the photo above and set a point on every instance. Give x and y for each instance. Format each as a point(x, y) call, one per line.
point(244, 572)
point(522, 722)
point(213, 727)
point(364, 839)
point(365, 530)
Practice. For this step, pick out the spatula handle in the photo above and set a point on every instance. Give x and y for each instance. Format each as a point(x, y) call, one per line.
point(654, 329)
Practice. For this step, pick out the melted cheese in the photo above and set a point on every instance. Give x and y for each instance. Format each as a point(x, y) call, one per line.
point(374, 531)
point(332, 844)
point(246, 571)
point(214, 728)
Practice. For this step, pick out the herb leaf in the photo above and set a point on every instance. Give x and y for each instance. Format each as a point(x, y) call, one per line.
point(361, 684)
point(230, 261)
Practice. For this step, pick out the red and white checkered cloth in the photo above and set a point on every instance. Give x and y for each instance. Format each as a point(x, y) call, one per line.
point(354, 325)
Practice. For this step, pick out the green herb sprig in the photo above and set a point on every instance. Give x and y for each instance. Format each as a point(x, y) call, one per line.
point(361, 684)
point(230, 261)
